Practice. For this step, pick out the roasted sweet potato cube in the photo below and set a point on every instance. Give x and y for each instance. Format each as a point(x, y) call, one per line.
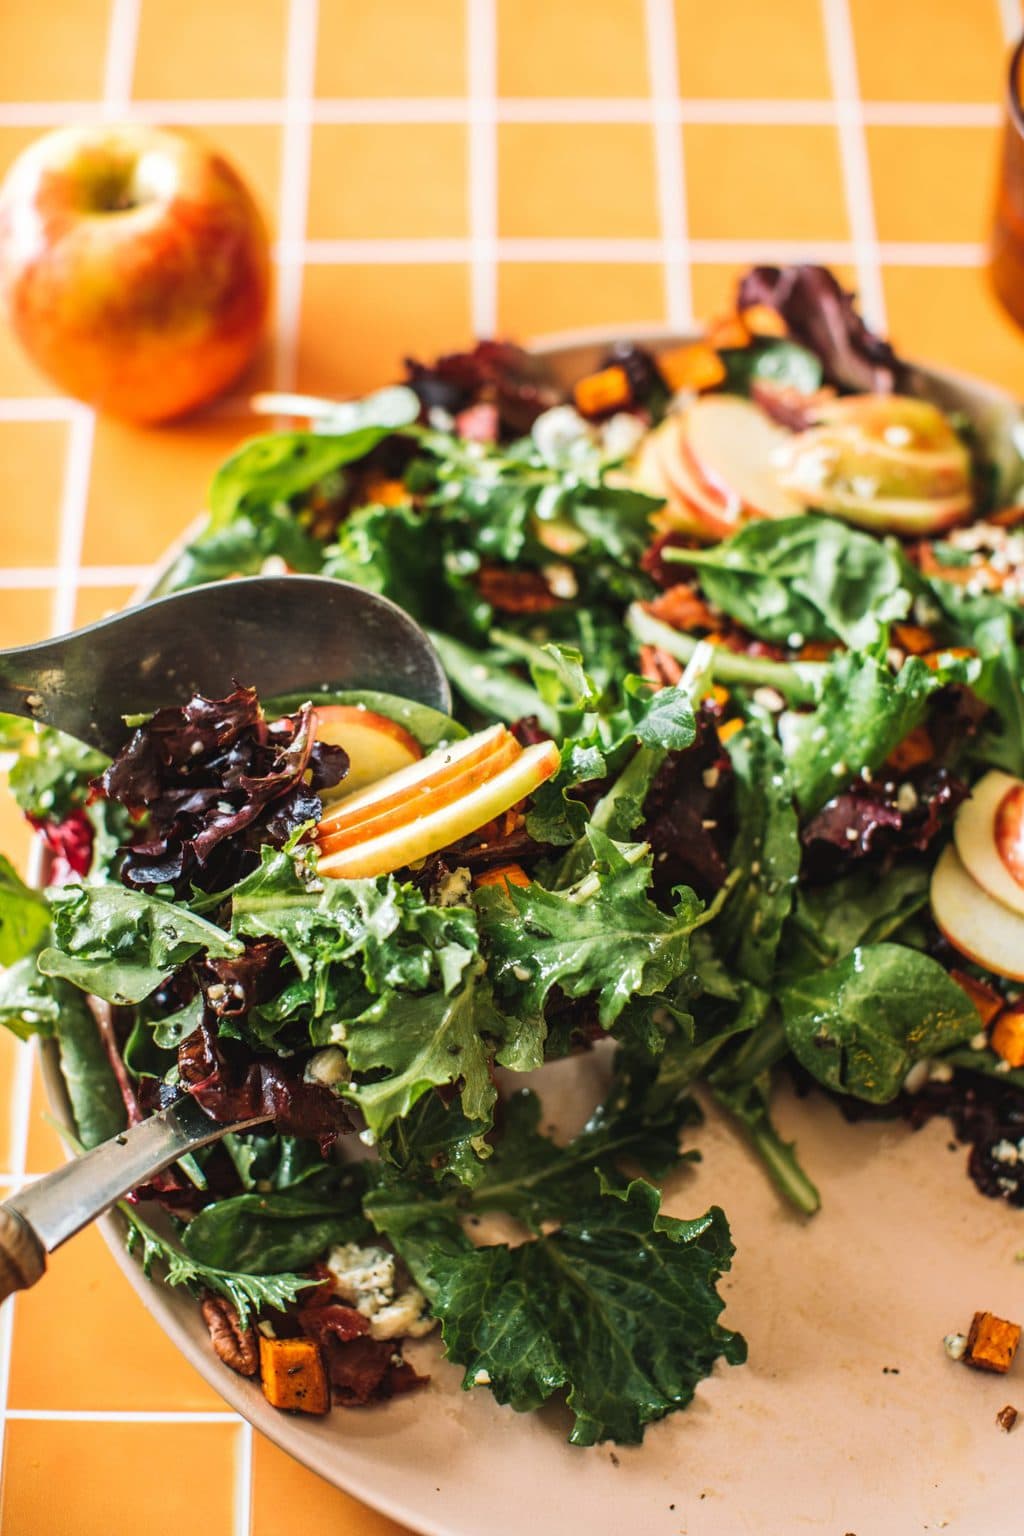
point(503, 874)
point(697, 366)
point(916, 748)
point(991, 1343)
point(762, 320)
point(985, 998)
point(913, 638)
point(605, 391)
point(1007, 1037)
point(293, 1375)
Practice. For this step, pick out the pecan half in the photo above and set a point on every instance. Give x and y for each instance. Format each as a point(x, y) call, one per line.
point(232, 1343)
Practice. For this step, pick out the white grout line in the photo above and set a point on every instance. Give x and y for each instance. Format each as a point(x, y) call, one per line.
point(1010, 19)
point(34, 577)
point(119, 69)
point(481, 67)
point(118, 1416)
point(931, 114)
point(39, 408)
point(242, 1502)
point(20, 1110)
point(842, 63)
point(271, 111)
point(74, 499)
point(669, 161)
point(300, 73)
point(396, 252)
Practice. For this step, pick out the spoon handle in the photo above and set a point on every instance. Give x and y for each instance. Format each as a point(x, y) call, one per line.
point(22, 1256)
point(53, 1208)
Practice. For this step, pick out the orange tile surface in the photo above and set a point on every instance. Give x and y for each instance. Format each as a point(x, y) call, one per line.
point(576, 179)
point(543, 164)
point(553, 48)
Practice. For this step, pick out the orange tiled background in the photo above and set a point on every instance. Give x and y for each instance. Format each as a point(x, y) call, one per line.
point(431, 169)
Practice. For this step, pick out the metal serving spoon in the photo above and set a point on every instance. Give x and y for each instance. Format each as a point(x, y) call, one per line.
point(53, 1208)
point(279, 634)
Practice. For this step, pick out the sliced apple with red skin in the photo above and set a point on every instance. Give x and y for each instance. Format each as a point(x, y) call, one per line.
point(421, 801)
point(989, 836)
point(376, 746)
point(733, 445)
point(666, 469)
point(977, 925)
point(441, 764)
point(447, 823)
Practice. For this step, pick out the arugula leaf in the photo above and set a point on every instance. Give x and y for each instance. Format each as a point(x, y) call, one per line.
point(423, 1041)
point(395, 551)
point(51, 777)
point(808, 577)
point(121, 945)
point(265, 1233)
point(249, 1293)
point(865, 711)
point(748, 1102)
point(488, 682)
point(603, 935)
point(393, 934)
point(860, 1025)
point(766, 850)
point(242, 547)
point(24, 915)
point(618, 1307)
point(994, 628)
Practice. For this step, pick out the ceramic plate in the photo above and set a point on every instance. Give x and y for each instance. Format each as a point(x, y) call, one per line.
point(848, 1417)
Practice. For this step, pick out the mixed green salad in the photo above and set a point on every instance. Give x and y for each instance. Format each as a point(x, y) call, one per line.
point(734, 789)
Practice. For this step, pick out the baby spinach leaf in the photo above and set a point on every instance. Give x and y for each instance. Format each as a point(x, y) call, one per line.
point(24, 915)
point(865, 711)
point(774, 361)
point(28, 1001)
point(279, 466)
point(121, 945)
point(860, 1025)
point(864, 907)
point(96, 1103)
point(264, 1233)
point(766, 852)
point(51, 777)
point(803, 578)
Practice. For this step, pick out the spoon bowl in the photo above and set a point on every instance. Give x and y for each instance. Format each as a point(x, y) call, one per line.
point(278, 634)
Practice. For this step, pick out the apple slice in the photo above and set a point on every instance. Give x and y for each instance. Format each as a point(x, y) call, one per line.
point(447, 823)
point(376, 746)
point(989, 836)
point(441, 764)
point(895, 421)
point(981, 928)
point(903, 516)
point(718, 515)
point(420, 801)
point(733, 444)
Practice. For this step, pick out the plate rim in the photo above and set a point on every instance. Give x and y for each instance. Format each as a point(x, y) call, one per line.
point(163, 1303)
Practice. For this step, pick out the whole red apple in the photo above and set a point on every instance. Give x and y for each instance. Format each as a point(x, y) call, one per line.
point(135, 267)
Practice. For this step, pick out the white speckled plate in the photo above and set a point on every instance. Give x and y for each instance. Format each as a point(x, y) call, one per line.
point(848, 1416)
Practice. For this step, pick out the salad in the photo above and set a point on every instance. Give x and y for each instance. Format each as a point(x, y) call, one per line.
point(734, 789)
